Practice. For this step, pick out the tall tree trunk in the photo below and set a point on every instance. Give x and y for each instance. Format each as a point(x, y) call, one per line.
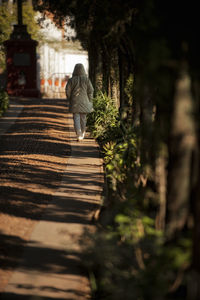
point(161, 182)
point(106, 66)
point(124, 73)
point(114, 77)
point(180, 155)
point(94, 54)
point(194, 278)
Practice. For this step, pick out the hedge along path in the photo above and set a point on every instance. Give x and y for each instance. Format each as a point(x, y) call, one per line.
point(54, 187)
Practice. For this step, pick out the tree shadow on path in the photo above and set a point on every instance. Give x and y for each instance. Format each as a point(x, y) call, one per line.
point(34, 153)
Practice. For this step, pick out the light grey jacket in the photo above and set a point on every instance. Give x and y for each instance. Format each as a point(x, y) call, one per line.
point(79, 91)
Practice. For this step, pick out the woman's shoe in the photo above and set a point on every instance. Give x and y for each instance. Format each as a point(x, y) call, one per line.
point(79, 138)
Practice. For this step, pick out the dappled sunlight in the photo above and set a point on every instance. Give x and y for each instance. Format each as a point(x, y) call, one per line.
point(33, 156)
point(49, 183)
point(54, 263)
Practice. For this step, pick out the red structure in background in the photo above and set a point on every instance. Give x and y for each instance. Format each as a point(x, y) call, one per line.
point(21, 64)
point(21, 61)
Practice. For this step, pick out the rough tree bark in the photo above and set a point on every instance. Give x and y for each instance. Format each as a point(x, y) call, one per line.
point(193, 285)
point(181, 149)
point(95, 69)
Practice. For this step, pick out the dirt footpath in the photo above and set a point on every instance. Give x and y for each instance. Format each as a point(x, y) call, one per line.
point(50, 188)
point(33, 156)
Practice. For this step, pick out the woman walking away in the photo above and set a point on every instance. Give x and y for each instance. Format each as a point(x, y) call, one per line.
point(79, 92)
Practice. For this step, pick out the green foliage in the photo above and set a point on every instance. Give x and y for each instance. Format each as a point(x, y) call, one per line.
point(129, 89)
point(8, 17)
point(90, 17)
point(121, 158)
point(103, 121)
point(130, 259)
point(4, 101)
point(29, 18)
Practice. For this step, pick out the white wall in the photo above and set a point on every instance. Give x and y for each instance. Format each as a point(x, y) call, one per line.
point(55, 59)
point(57, 64)
point(59, 61)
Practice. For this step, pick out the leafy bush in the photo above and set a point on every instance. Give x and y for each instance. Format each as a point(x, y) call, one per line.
point(120, 256)
point(131, 260)
point(120, 158)
point(4, 102)
point(103, 122)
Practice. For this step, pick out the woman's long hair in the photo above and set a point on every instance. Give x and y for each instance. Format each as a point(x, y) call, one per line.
point(79, 70)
